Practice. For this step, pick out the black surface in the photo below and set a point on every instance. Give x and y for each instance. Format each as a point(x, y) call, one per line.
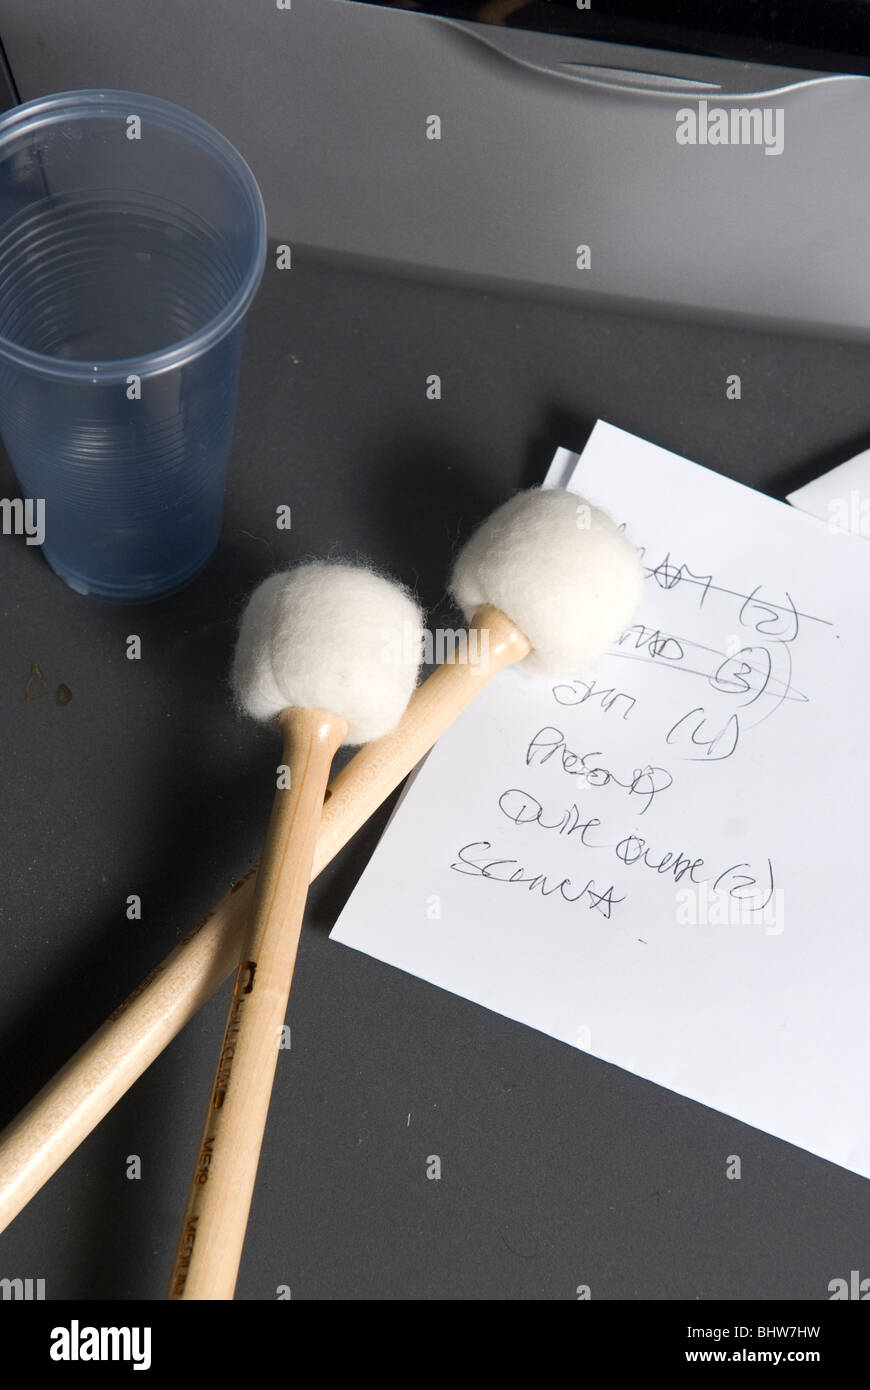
point(8, 90)
point(558, 1170)
point(828, 35)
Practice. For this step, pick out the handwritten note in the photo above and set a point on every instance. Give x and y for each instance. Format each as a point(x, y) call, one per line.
point(662, 861)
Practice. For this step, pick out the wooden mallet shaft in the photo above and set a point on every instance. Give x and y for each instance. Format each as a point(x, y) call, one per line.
point(216, 1217)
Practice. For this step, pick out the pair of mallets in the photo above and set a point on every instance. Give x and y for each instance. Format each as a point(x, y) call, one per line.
point(550, 581)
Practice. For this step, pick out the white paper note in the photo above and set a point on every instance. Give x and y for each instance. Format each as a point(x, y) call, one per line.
point(663, 862)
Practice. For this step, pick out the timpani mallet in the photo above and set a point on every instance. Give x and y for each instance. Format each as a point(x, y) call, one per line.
point(332, 653)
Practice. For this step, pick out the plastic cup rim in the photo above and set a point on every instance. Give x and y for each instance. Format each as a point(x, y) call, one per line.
point(180, 119)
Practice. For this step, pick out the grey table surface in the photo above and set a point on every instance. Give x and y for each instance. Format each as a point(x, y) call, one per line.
point(558, 1170)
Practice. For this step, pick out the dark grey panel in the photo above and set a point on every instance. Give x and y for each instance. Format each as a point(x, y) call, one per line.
point(545, 145)
point(558, 1169)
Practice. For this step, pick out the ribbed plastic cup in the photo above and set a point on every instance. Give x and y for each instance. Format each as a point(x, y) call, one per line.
point(132, 242)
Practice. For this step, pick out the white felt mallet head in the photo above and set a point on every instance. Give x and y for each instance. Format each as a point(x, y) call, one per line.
point(560, 569)
point(334, 637)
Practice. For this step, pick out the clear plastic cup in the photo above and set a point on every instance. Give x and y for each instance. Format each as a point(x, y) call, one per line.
point(132, 242)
